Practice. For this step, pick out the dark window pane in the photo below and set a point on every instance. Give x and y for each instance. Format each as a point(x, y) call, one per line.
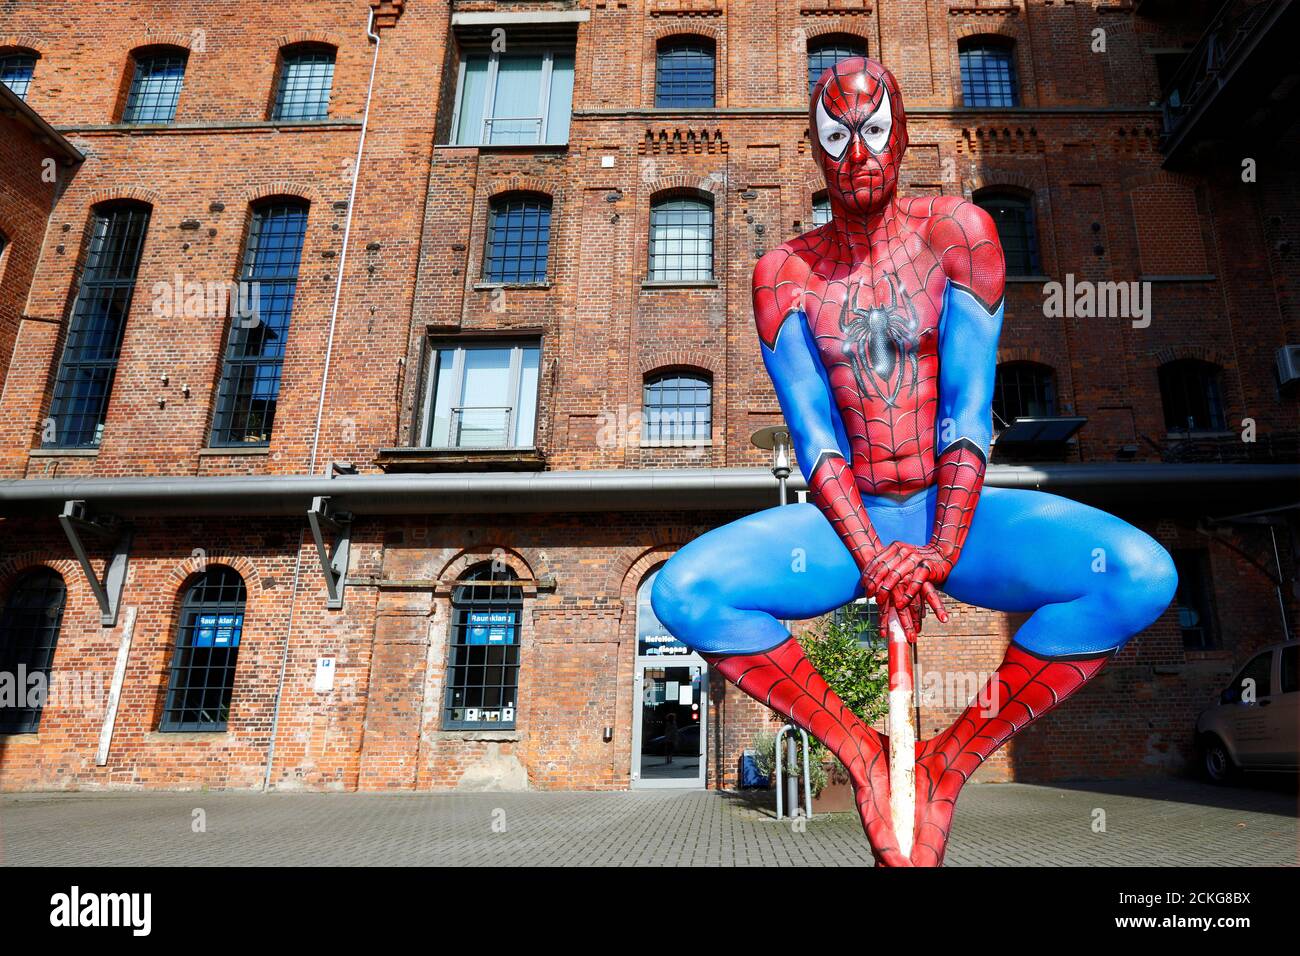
point(250, 380)
point(201, 679)
point(988, 75)
point(483, 677)
point(155, 88)
point(305, 80)
point(1023, 390)
point(825, 54)
point(89, 362)
point(1191, 394)
point(1014, 217)
point(677, 408)
point(16, 71)
point(681, 241)
point(518, 240)
point(29, 631)
point(821, 211)
point(1194, 600)
point(684, 74)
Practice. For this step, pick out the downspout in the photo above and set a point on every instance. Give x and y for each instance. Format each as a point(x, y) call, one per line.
point(320, 405)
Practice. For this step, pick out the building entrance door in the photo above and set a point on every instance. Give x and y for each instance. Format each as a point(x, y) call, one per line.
point(668, 723)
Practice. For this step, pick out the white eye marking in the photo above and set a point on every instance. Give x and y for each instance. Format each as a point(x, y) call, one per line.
point(875, 131)
point(833, 135)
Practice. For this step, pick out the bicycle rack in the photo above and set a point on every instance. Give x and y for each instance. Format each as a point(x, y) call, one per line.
point(793, 784)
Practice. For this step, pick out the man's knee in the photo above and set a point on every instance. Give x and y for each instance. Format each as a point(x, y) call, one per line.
point(681, 598)
point(1138, 582)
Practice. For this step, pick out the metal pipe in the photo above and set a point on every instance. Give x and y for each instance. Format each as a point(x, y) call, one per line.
point(560, 491)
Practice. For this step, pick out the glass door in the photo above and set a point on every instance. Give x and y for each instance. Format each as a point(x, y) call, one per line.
point(668, 734)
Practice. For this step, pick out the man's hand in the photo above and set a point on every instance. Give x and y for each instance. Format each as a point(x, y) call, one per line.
point(907, 577)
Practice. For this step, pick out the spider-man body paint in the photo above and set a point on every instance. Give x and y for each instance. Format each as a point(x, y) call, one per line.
point(879, 331)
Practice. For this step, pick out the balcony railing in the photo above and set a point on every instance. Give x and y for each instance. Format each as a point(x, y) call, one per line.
point(1278, 448)
point(482, 426)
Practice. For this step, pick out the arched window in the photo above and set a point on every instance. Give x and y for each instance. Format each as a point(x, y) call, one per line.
point(988, 71)
point(202, 674)
point(306, 77)
point(29, 631)
point(825, 51)
point(88, 366)
point(250, 379)
point(1192, 396)
point(16, 70)
point(1023, 390)
point(677, 408)
point(821, 210)
point(487, 609)
point(684, 73)
point(681, 240)
point(1013, 214)
point(518, 239)
point(155, 85)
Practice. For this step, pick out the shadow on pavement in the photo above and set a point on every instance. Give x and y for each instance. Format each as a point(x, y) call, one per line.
point(1272, 793)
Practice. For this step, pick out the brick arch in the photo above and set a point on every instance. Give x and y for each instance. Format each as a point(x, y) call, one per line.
point(654, 362)
point(1000, 179)
point(18, 564)
point(677, 28)
point(842, 27)
point(26, 42)
point(630, 567)
point(115, 193)
point(704, 187)
point(523, 184)
point(514, 558)
point(307, 36)
point(1158, 177)
point(990, 29)
point(182, 571)
point(1173, 353)
point(1021, 353)
point(161, 38)
point(281, 187)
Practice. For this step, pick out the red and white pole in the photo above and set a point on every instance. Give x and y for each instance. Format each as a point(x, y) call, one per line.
point(902, 735)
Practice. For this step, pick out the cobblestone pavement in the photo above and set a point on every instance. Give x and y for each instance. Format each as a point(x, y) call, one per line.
point(1164, 823)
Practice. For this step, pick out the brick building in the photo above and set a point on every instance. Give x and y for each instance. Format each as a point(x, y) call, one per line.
point(367, 357)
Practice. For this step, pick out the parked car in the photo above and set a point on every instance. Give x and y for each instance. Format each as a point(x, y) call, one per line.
point(1256, 724)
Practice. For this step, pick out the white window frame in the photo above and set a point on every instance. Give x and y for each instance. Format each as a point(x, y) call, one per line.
point(432, 373)
point(489, 100)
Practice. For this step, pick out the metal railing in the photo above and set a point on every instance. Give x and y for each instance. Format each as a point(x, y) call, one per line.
point(481, 426)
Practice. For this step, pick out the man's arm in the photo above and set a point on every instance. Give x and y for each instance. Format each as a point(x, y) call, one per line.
point(816, 431)
point(966, 239)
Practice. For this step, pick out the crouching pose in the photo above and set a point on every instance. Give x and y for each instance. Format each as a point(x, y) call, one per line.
point(880, 331)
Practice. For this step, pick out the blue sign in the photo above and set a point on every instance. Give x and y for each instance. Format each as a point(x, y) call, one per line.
point(218, 630)
point(490, 627)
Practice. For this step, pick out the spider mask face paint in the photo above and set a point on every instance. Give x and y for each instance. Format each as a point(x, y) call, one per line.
point(859, 132)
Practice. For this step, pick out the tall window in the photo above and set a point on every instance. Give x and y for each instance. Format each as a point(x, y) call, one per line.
point(202, 675)
point(250, 379)
point(482, 395)
point(483, 676)
point(677, 408)
point(1194, 599)
point(16, 71)
point(1023, 390)
point(1192, 397)
point(988, 72)
point(1013, 214)
point(861, 617)
point(822, 211)
point(518, 239)
point(684, 73)
point(306, 77)
point(155, 86)
point(825, 52)
point(85, 376)
point(29, 630)
point(513, 99)
point(681, 240)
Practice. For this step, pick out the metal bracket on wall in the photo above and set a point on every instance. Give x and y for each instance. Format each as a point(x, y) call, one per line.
point(333, 564)
point(77, 521)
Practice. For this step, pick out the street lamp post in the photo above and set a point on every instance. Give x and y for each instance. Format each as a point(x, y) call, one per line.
point(776, 439)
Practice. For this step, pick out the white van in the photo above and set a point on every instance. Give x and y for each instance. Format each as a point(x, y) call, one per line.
point(1256, 724)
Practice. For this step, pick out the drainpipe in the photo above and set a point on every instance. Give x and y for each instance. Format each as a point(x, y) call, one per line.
point(320, 405)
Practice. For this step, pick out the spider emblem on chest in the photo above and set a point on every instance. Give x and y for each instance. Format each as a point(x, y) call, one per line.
point(880, 343)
